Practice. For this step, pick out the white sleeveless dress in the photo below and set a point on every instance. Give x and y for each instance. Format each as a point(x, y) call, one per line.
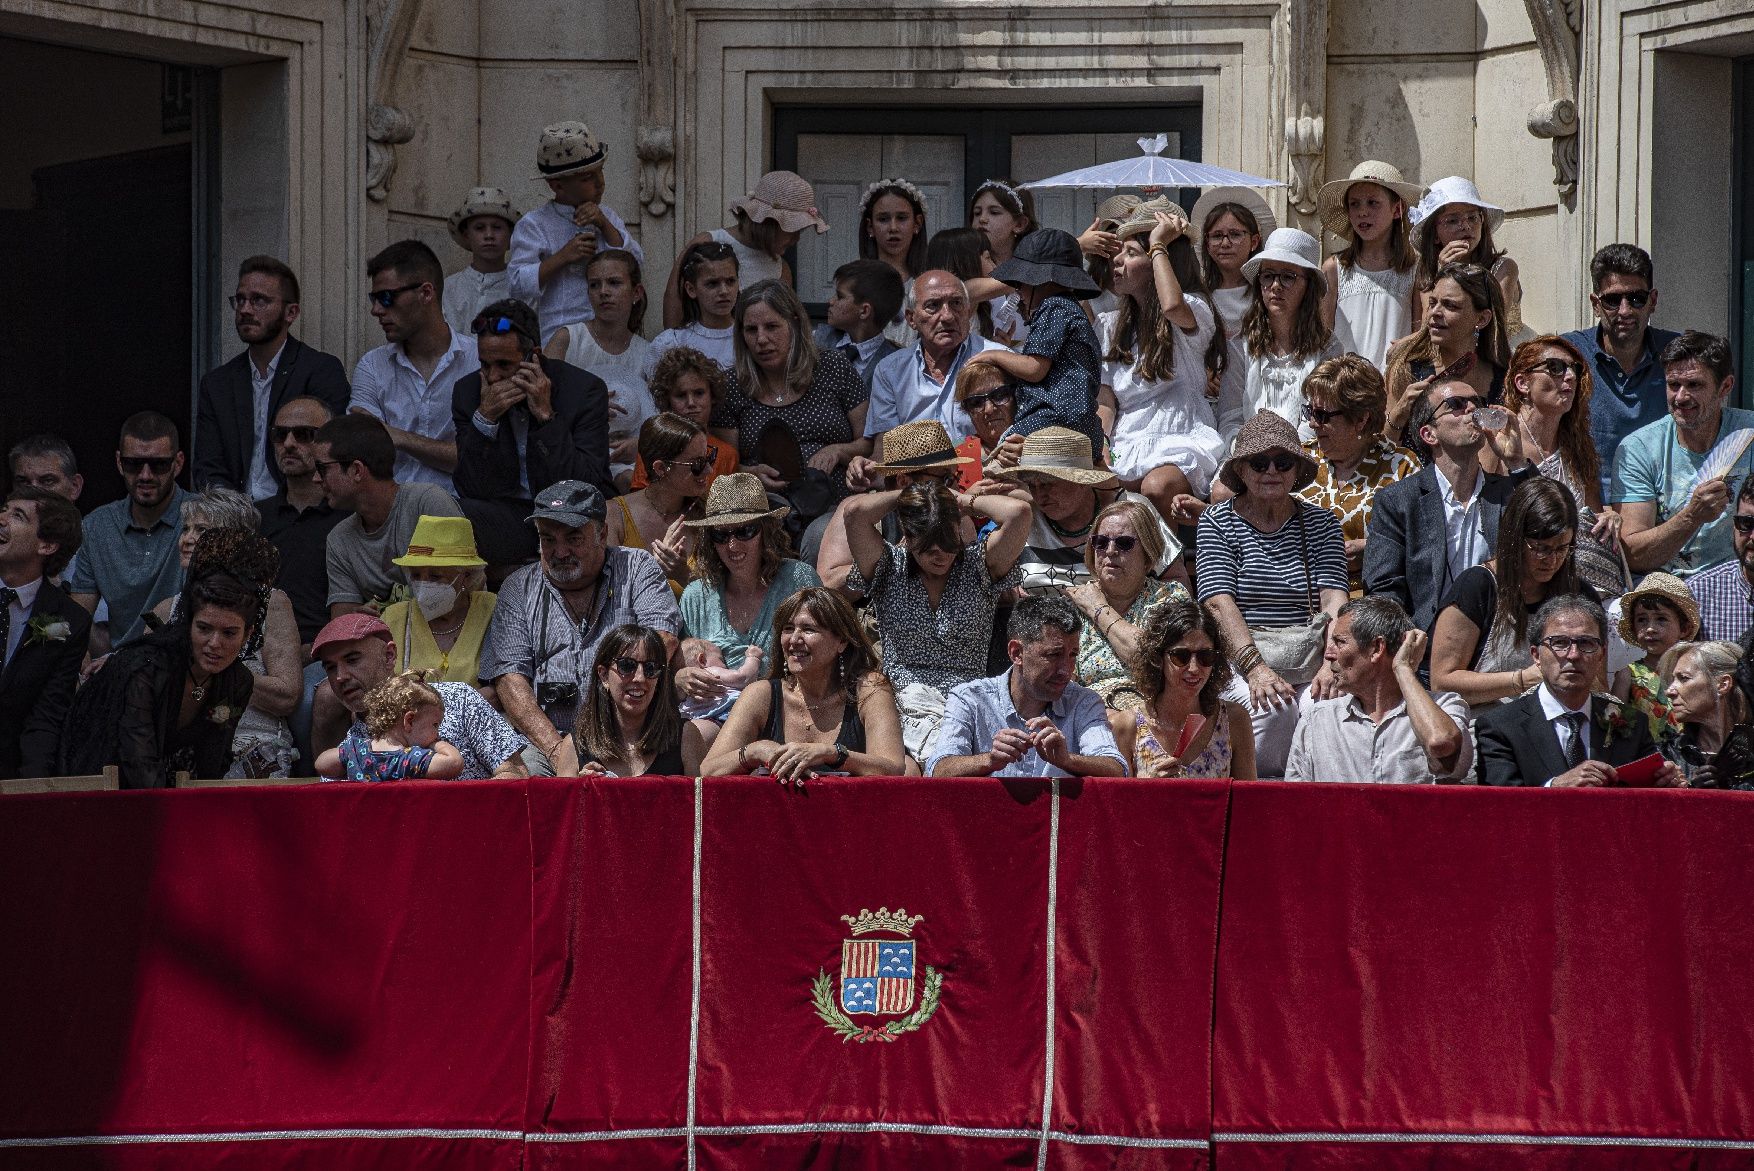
point(1371, 311)
point(1167, 421)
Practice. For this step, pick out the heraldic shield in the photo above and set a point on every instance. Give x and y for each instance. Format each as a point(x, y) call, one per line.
point(877, 979)
point(876, 975)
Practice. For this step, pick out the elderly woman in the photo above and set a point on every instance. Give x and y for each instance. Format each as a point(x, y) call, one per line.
point(934, 595)
point(441, 627)
point(826, 709)
point(1272, 570)
point(1343, 403)
point(679, 461)
point(1119, 596)
point(989, 400)
point(1715, 749)
point(627, 725)
point(1184, 727)
point(1480, 642)
point(264, 746)
point(1462, 338)
point(790, 408)
point(170, 701)
point(688, 383)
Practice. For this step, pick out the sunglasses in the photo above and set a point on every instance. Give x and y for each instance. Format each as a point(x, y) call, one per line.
point(496, 327)
point(1181, 656)
point(746, 532)
point(1283, 462)
point(1613, 300)
point(159, 465)
point(1744, 524)
point(1556, 367)
point(1103, 544)
point(627, 668)
point(980, 402)
point(281, 434)
point(1322, 418)
point(695, 467)
point(1559, 644)
point(384, 298)
point(1461, 404)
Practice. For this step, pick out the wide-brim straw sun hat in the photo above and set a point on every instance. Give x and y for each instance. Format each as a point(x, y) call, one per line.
point(1116, 208)
point(1247, 197)
point(1049, 256)
point(481, 201)
point(735, 499)
point(442, 542)
point(1454, 189)
point(1662, 587)
point(786, 198)
point(1264, 433)
point(1059, 452)
point(916, 447)
point(567, 147)
point(1289, 246)
point(1143, 219)
point(1331, 200)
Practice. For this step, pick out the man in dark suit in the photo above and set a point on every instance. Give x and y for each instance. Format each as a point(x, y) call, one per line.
point(1426, 529)
point(239, 398)
point(43, 632)
point(523, 419)
point(1560, 735)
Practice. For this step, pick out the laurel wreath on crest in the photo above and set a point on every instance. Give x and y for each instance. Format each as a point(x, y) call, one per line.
point(822, 995)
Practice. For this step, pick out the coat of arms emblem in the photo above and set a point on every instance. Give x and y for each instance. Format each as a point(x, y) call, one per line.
point(877, 978)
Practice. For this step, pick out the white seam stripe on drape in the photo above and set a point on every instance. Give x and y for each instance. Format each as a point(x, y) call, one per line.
point(1047, 1079)
point(694, 967)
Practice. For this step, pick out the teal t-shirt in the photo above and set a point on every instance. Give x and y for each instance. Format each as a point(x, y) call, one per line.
point(1651, 464)
point(703, 613)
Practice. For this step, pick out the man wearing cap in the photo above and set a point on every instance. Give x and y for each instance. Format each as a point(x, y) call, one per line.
point(522, 419)
point(550, 616)
point(482, 226)
point(552, 245)
point(358, 652)
point(236, 400)
point(406, 383)
point(920, 382)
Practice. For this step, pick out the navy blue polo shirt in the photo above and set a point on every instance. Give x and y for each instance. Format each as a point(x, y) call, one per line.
point(1622, 401)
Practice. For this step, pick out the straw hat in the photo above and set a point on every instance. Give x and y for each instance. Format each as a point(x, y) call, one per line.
point(1265, 432)
point(1049, 256)
point(917, 447)
point(1454, 189)
point(1144, 217)
point(1248, 197)
point(481, 201)
point(735, 498)
point(1289, 246)
point(566, 147)
point(1062, 453)
point(442, 542)
point(786, 198)
point(1116, 208)
point(1331, 200)
point(1668, 588)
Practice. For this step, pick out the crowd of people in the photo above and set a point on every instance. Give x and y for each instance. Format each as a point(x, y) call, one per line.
point(1186, 494)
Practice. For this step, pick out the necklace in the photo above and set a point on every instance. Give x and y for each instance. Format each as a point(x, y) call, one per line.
point(198, 691)
point(1079, 531)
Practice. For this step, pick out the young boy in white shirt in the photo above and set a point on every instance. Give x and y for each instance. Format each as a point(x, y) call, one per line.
point(482, 226)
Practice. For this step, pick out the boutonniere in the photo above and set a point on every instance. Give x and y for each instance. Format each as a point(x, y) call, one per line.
point(1616, 719)
point(221, 713)
point(46, 629)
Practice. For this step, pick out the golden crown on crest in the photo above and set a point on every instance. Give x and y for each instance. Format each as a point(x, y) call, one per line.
point(898, 921)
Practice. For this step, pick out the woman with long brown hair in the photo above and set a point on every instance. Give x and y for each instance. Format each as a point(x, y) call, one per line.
point(1284, 335)
point(627, 725)
point(680, 460)
point(1185, 727)
point(1462, 338)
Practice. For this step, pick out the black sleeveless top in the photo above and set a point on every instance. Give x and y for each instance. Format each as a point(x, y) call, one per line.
point(667, 763)
point(852, 727)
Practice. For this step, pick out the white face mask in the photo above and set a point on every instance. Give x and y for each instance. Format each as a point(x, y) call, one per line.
point(435, 598)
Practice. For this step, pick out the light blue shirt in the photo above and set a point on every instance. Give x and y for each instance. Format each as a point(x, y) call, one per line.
point(978, 709)
point(1651, 465)
point(704, 614)
point(902, 391)
point(387, 387)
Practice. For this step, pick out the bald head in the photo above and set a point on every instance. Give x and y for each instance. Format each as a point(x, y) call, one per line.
point(939, 310)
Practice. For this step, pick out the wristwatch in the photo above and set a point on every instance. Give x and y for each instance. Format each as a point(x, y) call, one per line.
point(840, 756)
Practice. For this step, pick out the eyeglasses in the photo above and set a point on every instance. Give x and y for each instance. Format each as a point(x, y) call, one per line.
point(1102, 543)
point(1562, 646)
point(696, 466)
point(281, 434)
point(1743, 523)
point(1322, 418)
point(133, 465)
point(384, 298)
point(1269, 279)
point(1556, 367)
point(1459, 404)
point(1612, 301)
point(253, 300)
point(1282, 462)
point(993, 398)
point(495, 326)
point(1226, 237)
point(627, 668)
point(1181, 656)
point(1459, 219)
point(1547, 552)
point(323, 465)
point(746, 532)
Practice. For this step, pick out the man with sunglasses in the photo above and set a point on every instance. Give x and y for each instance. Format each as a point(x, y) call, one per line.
point(1668, 521)
point(237, 400)
point(1561, 735)
point(1384, 726)
point(297, 519)
point(522, 419)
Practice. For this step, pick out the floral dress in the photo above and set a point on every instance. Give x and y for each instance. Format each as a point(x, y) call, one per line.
point(1150, 753)
point(364, 763)
point(1101, 670)
point(1350, 499)
point(1648, 697)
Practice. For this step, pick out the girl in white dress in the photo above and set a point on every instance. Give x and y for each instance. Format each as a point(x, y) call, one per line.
point(766, 223)
point(1453, 225)
point(1369, 300)
point(1283, 333)
point(710, 282)
point(1233, 221)
point(610, 347)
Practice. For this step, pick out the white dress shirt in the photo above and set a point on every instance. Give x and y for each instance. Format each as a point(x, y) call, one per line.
point(1464, 532)
point(261, 480)
point(1552, 709)
point(20, 610)
point(468, 291)
point(388, 387)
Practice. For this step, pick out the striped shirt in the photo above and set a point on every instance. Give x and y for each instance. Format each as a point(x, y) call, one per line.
point(1726, 603)
point(1268, 574)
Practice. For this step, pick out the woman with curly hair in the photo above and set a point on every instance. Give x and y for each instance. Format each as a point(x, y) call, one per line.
point(170, 701)
point(1185, 728)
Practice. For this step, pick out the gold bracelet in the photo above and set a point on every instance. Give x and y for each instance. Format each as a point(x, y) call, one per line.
point(1157, 250)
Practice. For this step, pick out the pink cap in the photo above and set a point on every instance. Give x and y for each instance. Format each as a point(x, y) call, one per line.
point(350, 628)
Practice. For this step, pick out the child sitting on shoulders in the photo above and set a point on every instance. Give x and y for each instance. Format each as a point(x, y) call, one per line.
point(1059, 370)
point(401, 740)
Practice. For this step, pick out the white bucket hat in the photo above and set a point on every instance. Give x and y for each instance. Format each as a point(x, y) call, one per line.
point(1289, 246)
point(1246, 196)
point(1331, 200)
point(1454, 189)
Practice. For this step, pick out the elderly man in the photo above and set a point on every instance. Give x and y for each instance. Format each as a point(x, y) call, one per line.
point(1725, 592)
point(920, 382)
point(1561, 735)
point(550, 616)
point(358, 653)
point(1385, 727)
point(1668, 521)
point(1031, 721)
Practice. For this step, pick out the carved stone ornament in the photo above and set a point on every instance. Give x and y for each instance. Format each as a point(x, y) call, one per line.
point(388, 25)
point(656, 148)
point(655, 142)
point(1557, 24)
point(1304, 142)
point(1306, 96)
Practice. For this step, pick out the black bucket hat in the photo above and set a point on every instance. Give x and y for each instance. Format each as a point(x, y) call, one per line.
point(1049, 255)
